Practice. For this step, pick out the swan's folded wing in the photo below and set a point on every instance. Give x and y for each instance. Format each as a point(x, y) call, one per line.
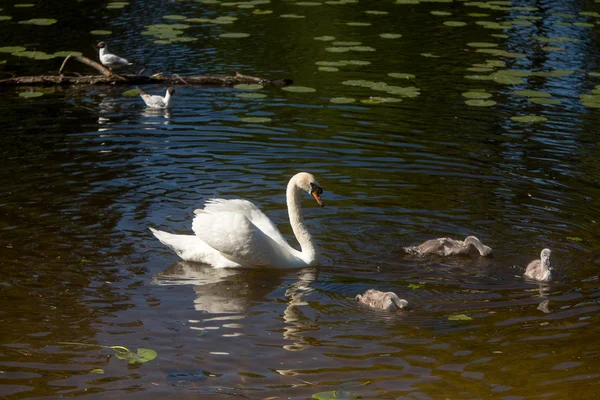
point(237, 238)
point(250, 211)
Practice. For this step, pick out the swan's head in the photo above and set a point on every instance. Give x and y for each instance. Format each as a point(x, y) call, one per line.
point(309, 184)
point(545, 258)
point(101, 45)
point(171, 91)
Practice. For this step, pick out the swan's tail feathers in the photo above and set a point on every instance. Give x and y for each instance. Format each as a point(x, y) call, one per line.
point(192, 248)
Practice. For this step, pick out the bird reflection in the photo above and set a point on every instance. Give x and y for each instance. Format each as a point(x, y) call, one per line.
point(232, 291)
point(154, 113)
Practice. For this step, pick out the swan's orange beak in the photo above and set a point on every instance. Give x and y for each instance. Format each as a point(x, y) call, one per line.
point(317, 197)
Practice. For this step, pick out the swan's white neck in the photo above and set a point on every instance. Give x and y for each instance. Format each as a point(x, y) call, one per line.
point(309, 253)
point(102, 51)
point(167, 99)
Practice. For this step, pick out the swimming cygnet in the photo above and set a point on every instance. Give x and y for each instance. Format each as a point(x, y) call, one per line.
point(450, 247)
point(381, 300)
point(540, 269)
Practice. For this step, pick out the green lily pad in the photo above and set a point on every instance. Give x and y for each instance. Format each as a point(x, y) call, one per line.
point(249, 86)
point(308, 3)
point(2, 62)
point(560, 39)
point(480, 69)
point(459, 317)
point(98, 371)
point(482, 44)
point(335, 395)
point(116, 5)
point(480, 103)
point(5, 17)
point(542, 100)
point(386, 99)
point(429, 55)
point(40, 21)
point(337, 49)
point(251, 95)
point(370, 101)
point(390, 35)
point(255, 120)
point(142, 356)
point(477, 95)
point(234, 35)
point(455, 23)
point(131, 93)
point(12, 49)
point(31, 94)
point(407, 2)
point(325, 38)
point(262, 12)
point(574, 239)
point(46, 90)
point(342, 100)
point(553, 74)
point(594, 73)
point(298, 89)
point(100, 32)
point(358, 23)
point(291, 16)
point(346, 43)
point(531, 93)
point(355, 62)
point(415, 286)
point(528, 118)
point(174, 17)
point(66, 53)
point(24, 5)
point(162, 41)
point(328, 69)
point(36, 55)
point(478, 15)
point(401, 75)
point(441, 13)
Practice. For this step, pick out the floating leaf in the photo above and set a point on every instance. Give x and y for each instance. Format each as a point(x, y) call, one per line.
point(528, 118)
point(477, 95)
point(401, 75)
point(39, 21)
point(390, 35)
point(415, 286)
point(574, 239)
point(346, 43)
point(374, 12)
point(335, 395)
point(385, 99)
point(482, 44)
point(429, 55)
point(328, 69)
point(291, 16)
point(67, 53)
point(5, 17)
point(251, 95)
point(24, 5)
point(249, 86)
point(480, 103)
point(298, 89)
point(531, 93)
point(441, 13)
point(541, 100)
point(100, 32)
point(308, 3)
point(234, 35)
point(455, 23)
point(325, 38)
point(459, 317)
point(12, 49)
point(31, 94)
point(131, 93)
point(141, 356)
point(342, 100)
point(358, 23)
point(37, 55)
point(262, 12)
point(255, 120)
point(174, 17)
point(116, 5)
point(98, 371)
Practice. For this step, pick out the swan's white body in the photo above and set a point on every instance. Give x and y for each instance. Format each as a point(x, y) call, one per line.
point(235, 233)
point(381, 300)
point(540, 270)
point(450, 247)
point(110, 61)
point(155, 101)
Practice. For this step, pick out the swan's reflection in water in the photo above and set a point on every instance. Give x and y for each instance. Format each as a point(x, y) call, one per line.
point(229, 293)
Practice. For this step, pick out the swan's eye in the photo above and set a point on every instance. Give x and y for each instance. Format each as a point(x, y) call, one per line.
point(314, 188)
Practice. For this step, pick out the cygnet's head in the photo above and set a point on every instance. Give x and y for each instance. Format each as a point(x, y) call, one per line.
point(545, 258)
point(483, 249)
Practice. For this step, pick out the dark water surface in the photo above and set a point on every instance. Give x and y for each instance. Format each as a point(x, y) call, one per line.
point(84, 172)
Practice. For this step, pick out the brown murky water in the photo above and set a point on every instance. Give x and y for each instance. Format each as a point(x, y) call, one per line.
point(85, 171)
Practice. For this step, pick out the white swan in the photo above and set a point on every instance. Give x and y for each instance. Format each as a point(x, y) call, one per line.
point(450, 247)
point(381, 300)
point(540, 270)
point(235, 233)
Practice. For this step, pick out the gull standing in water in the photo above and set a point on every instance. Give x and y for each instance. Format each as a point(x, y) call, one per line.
point(155, 101)
point(110, 61)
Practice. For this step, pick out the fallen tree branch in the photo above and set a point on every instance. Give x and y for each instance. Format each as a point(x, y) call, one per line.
point(109, 78)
